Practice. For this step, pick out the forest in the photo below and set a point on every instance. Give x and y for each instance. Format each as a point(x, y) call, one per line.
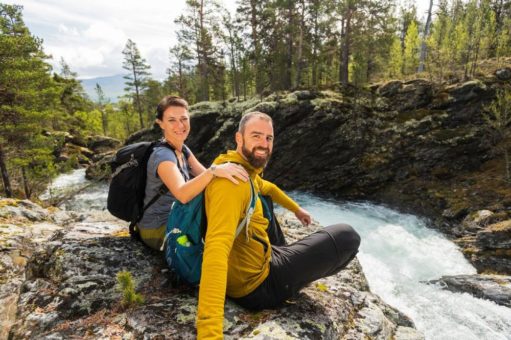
point(265, 46)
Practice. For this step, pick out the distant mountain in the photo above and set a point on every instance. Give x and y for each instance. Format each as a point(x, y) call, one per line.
point(113, 87)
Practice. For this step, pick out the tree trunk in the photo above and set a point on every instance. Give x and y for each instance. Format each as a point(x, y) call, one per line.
point(181, 90)
point(26, 187)
point(128, 128)
point(204, 69)
point(104, 121)
point(299, 62)
point(5, 174)
point(288, 81)
point(424, 38)
point(234, 68)
point(506, 162)
point(345, 47)
point(257, 46)
point(315, 45)
point(498, 7)
point(137, 98)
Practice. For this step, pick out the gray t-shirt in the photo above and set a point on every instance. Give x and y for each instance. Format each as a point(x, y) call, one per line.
point(156, 215)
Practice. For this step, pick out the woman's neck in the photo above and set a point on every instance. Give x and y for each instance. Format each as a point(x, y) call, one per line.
point(178, 146)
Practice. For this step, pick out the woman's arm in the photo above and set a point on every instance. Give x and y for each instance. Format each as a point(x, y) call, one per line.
point(195, 166)
point(185, 191)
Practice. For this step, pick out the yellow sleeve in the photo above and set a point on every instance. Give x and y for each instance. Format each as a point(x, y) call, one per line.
point(225, 203)
point(277, 195)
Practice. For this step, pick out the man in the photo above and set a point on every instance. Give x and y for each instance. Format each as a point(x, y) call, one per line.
point(248, 268)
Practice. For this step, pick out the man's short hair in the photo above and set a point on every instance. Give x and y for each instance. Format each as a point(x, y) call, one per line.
point(247, 117)
point(167, 102)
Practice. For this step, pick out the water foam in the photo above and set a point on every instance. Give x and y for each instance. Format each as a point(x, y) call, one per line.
point(399, 253)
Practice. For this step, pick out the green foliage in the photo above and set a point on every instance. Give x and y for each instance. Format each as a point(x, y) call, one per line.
point(126, 287)
point(411, 51)
point(498, 117)
point(28, 96)
point(92, 121)
point(498, 113)
point(137, 78)
point(503, 43)
point(396, 59)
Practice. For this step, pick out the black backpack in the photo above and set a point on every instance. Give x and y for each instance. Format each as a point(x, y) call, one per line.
point(127, 186)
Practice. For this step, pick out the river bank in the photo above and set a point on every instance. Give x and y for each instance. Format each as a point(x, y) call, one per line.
point(65, 286)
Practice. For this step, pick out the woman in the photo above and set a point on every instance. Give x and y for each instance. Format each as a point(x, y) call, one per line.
point(179, 170)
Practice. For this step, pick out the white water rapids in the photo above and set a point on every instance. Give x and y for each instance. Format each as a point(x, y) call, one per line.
point(398, 253)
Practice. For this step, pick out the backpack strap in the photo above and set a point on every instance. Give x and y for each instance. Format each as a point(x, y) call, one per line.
point(163, 188)
point(250, 210)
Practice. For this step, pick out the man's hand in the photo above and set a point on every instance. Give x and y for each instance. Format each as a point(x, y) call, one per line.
point(304, 216)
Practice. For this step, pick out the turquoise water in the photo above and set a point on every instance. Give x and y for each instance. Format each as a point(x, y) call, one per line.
point(399, 253)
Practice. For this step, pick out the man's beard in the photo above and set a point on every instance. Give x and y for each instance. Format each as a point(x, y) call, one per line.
point(255, 161)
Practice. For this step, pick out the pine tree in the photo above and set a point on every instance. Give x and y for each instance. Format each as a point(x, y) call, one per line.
point(136, 80)
point(27, 97)
point(425, 36)
point(396, 59)
point(199, 28)
point(439, 44)
point(253, 15)
point(503, 43)
point(412, 44)
point(179, 74)
point(101, 102)
point(72, 94)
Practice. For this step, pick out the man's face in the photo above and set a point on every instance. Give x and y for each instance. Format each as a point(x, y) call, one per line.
point(256, 142)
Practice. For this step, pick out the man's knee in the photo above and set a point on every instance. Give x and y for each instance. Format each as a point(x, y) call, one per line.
point(345, 236)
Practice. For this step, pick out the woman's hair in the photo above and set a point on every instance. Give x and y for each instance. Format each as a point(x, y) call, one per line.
point(167, 102)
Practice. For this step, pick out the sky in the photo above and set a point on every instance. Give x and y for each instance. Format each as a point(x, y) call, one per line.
point(90, 35)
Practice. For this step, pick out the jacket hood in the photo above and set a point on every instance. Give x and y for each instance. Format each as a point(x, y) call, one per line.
point(234, 157)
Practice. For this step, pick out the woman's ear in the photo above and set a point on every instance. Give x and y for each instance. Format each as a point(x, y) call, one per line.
point(159, 122)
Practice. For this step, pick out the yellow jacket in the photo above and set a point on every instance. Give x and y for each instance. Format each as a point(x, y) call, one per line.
point(233, 266)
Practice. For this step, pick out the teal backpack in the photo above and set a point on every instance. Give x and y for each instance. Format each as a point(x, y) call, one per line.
point(184, 236)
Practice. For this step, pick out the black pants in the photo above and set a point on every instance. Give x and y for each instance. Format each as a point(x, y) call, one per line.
point(293, 266)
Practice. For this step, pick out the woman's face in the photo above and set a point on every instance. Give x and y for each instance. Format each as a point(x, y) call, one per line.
point(175, 124)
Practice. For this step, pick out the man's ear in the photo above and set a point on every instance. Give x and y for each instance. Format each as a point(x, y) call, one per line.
point(239, 138)
point(159, 122)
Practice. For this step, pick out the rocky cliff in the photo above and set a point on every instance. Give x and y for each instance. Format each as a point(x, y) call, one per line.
point(416, 146)
point(58, 281)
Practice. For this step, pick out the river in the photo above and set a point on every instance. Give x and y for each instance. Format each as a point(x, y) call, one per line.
point(399, 254)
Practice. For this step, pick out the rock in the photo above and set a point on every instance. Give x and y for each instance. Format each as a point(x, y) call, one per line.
point(100, 144)
point(474, 222)
point(496, 288)
point(100, 169)
point(409, 95)
point(70, 291)
point(466, 91)
point(503, 73)
point(492, 262)
point(495, 236)
point(22, 209)
point(389, 89)
point(18, 240)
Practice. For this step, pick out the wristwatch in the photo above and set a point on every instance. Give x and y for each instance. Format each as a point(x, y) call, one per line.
point(213, 168)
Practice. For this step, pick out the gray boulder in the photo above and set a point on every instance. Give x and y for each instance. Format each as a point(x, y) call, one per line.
point(496, 288)
point(503, 73)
